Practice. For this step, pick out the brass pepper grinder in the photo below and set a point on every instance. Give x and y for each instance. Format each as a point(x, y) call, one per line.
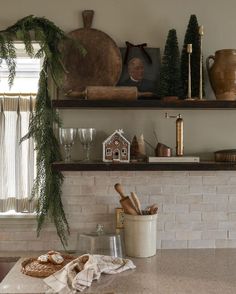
point(179, 133)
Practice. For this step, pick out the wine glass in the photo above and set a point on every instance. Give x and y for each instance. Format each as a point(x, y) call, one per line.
point(86, 137)
point(67, 138)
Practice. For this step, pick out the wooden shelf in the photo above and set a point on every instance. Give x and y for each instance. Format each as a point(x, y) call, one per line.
point(151, 104)
point(100, 166)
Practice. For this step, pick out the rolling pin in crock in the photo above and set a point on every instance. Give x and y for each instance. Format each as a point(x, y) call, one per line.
point(125, 201)
point(109, 93)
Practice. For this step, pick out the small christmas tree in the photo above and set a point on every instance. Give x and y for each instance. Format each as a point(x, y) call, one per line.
point(134, 149)
point(170, 77)
point(191, 37)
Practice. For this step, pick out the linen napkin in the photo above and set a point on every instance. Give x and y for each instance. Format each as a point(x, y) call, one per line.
point(80, 273)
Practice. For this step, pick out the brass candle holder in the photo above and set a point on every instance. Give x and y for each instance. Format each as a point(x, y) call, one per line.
point(189, 51)
point(201, 33)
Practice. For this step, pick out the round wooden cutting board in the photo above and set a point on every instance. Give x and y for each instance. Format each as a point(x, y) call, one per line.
point(102, 64)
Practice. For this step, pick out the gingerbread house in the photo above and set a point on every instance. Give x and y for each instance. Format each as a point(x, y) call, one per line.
point(116, 148)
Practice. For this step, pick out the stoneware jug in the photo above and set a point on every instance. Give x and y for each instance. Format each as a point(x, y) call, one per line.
point(222, 73)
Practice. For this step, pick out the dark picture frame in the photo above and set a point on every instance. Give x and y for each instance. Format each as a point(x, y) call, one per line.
point(150, 58)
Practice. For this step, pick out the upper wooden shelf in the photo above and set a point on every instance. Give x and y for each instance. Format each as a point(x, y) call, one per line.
point(101, 166)
point(149, 104)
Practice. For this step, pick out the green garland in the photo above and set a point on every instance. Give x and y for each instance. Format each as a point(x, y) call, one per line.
point(47, 185)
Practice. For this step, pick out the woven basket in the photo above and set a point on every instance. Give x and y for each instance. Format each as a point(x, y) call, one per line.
point(32, 267)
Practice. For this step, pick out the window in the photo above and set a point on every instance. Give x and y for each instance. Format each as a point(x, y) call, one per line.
point(17, 161)
point(108, 152)
point(124, 151)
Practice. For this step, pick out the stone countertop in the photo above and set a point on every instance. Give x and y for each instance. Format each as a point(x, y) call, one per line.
point(199, 271)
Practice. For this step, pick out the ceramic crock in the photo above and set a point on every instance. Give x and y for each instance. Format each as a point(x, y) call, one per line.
point(222, 73)
point(140, 235)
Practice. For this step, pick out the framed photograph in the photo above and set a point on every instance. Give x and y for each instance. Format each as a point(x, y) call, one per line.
point(141, 69)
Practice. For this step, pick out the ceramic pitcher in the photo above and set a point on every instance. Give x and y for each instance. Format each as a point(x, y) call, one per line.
point(222, 73)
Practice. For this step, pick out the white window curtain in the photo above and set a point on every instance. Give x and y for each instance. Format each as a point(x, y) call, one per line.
point(17, 161)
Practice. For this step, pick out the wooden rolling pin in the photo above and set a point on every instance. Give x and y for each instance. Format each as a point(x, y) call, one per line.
point(125, 201)
point(109, 93)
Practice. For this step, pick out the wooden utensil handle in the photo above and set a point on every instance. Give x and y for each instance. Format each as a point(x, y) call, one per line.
point(119, 190)
point(128, 206)
point(87, 18)
point(145, 94)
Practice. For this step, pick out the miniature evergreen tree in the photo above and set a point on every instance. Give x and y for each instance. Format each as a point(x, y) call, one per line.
point(191, 37)
point(134, 149)
point(170, 77)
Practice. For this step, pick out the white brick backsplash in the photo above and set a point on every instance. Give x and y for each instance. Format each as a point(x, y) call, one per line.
point(215, 198)
point(202, 189)
point(149, 190)
point(203, 225)
point(214, 216)
point(175, 189)
point(225, 244)
point(188, 217)
point(214, 235)
point(163, 235)
point(188, 235)
point(175, 208)
point(197, 209)
point(201, 243)
point(232, 234)
point(173, 244)
point(227, 225)
point(172, 226)
point(163, 199)
point(226, 189)
point(215, 180)
point(195, 180)
point(189, 199)
point(202, 207)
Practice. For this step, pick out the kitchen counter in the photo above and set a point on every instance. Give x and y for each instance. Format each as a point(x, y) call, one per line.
point(199, 271)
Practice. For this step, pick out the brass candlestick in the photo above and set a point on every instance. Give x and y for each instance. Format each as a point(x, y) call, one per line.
point(189, 51)
point(201, 33)
point(179, 133)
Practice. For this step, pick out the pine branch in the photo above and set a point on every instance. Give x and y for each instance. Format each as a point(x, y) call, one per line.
point(47, 185)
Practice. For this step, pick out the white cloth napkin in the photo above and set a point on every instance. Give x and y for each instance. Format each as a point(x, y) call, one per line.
point(80, 273)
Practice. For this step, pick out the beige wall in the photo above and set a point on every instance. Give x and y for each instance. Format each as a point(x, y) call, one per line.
point(145, 21)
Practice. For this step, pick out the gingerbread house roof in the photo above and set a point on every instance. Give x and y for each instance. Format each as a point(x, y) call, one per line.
point(118, 132)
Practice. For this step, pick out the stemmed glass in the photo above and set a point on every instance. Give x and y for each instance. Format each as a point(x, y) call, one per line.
point(67, 138)
point(86, 137)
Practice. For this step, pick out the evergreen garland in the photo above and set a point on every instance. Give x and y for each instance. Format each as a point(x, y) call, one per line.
point(191, 37)
point(170, 77)
point(47, 185)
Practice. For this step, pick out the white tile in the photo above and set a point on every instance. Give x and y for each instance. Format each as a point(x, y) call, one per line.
point(173, 244)
point(201, 244)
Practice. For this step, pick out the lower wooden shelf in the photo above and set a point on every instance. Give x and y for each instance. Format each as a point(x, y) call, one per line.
point(144, 166)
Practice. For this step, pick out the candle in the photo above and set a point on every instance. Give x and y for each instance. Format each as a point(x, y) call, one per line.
point(200, 31)
point(189, 48)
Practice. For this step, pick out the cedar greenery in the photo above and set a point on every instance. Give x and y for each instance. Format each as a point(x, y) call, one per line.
point(191, 37)
point(47, 185)
point(170, 77)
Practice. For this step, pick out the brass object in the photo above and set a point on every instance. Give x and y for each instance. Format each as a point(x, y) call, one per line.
point(226, 155)
point(179, 136)
point(222, 74)
point(119, 218)
point(179, 133)
point(201, 33)
point(162, 150)
point(189, 51)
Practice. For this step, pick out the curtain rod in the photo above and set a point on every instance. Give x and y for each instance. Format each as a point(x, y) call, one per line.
point(18, 94)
